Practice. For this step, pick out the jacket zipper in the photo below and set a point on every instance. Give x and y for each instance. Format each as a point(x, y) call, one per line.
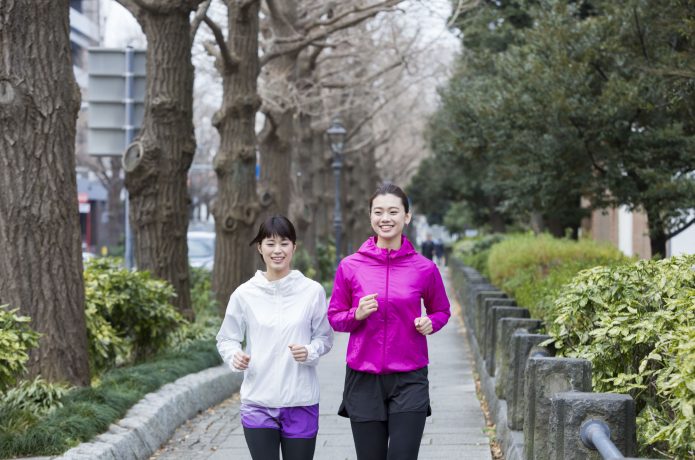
point(383, 349)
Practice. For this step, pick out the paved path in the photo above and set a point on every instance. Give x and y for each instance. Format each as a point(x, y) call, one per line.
point(454, 431)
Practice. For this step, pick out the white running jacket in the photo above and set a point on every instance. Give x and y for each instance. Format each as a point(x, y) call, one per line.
point(272, 315)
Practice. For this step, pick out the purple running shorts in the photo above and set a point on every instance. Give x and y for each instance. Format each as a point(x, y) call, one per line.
point(293, 422)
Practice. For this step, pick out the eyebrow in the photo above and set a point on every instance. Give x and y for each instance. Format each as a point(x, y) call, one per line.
point(392, 207)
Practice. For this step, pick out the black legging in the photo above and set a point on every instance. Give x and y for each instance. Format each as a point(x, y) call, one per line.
point(265, 444)
point(396, 439)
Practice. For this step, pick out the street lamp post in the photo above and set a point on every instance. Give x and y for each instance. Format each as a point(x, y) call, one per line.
point(336, 136)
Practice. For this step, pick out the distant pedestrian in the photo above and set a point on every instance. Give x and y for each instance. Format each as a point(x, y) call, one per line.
point(439, 252)
point(427, 248)
point(377, 298)
point(282, 316)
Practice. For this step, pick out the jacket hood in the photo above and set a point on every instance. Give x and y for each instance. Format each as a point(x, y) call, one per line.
point(370, 249)
point(285, 285)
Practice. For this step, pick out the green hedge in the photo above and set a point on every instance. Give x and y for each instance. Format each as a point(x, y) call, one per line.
point(474, 252)
point(533, 269)
point(87, 412)
point(636, 324)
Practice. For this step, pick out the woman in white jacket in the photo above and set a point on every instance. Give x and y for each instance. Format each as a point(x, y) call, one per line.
point(282, 316)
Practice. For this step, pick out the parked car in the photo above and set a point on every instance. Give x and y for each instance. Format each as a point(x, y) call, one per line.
point(201, 249)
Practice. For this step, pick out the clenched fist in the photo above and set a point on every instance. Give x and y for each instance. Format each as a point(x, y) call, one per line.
point(424, 325)
point(299, 352)
point(366, 307)
point(241, 360)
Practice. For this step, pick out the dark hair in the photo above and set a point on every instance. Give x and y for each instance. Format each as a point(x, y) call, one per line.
point(276, 225)
point(392, 189)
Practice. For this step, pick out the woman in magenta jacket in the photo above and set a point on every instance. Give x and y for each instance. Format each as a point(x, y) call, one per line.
point(377, 298)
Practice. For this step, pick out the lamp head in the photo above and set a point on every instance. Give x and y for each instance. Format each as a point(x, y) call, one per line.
point(336, 135)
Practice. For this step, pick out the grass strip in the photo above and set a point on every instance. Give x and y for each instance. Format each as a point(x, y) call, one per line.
point(88, 412)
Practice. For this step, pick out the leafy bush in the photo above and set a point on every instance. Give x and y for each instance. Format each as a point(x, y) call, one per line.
point(16, 338)
point(636, 324)
point(87, 412)
point(474, 252)
point(207, 319)
point(325, 259)
point(302, 262)
point(136, 309)
point(22, 405)
point(532, 269)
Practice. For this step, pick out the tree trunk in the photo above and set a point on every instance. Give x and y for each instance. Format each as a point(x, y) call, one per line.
point(657, 233)
point(277, 140)
point(115, 228)
point(156, 175)
point(41, 262)
point(274, 147)
point(237, 207)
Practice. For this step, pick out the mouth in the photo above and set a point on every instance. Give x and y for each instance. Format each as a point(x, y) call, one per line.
point(386, 228)
point(277, 260)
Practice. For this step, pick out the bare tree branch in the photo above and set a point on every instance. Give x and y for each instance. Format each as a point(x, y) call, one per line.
point(364, 80)
point(277, 51)
point(462, 7)
point(198, 18)
point(230, 61)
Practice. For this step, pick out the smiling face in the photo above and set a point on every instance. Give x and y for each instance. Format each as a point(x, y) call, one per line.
point(277, 254)
point(388, 218)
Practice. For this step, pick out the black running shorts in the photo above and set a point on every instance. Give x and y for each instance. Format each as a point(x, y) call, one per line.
point(372, 397)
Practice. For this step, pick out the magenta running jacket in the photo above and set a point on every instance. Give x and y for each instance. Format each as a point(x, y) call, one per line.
point(387, 341)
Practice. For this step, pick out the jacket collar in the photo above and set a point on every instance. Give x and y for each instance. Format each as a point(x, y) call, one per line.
point(285, 285)
point(370, 249)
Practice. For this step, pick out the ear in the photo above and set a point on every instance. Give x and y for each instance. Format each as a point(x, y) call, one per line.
point(408, 216)
point(258, 246)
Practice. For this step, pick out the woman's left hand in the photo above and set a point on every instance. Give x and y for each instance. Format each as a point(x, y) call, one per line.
point(299, 352)
point(423, 324)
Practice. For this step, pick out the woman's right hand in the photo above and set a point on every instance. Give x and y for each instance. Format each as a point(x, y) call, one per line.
point(366, 307)
point(241, 360)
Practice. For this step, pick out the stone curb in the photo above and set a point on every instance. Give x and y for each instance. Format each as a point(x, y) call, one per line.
point(153, 420)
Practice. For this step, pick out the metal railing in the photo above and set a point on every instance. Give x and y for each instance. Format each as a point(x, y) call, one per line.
point(596, 435)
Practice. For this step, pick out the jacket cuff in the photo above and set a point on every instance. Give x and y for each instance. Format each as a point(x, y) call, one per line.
point(312, 358)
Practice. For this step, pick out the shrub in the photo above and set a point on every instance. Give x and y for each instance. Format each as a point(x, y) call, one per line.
point(636, 324)
point(532, 269)
point(325, 260)
point(22, 405)
point(474, 252)
point(16, 338)
point(136, 308)
point(302, 262)
point(207, 319)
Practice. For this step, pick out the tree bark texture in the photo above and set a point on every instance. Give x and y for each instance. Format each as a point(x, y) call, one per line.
point(40, 249)
point(114, 230)
point(237, 206)
point(277, 139)
point(156, 178)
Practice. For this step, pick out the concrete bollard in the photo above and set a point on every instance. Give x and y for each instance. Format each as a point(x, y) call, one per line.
point(544, 378)
point(479, 313)
point(488, 304)
point(494, 314)
point(521, 344)
point(569, 411)
point(506, 328)
point(470, 301)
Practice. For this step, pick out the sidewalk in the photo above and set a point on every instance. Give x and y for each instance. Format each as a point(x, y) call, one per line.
point(454, 431)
